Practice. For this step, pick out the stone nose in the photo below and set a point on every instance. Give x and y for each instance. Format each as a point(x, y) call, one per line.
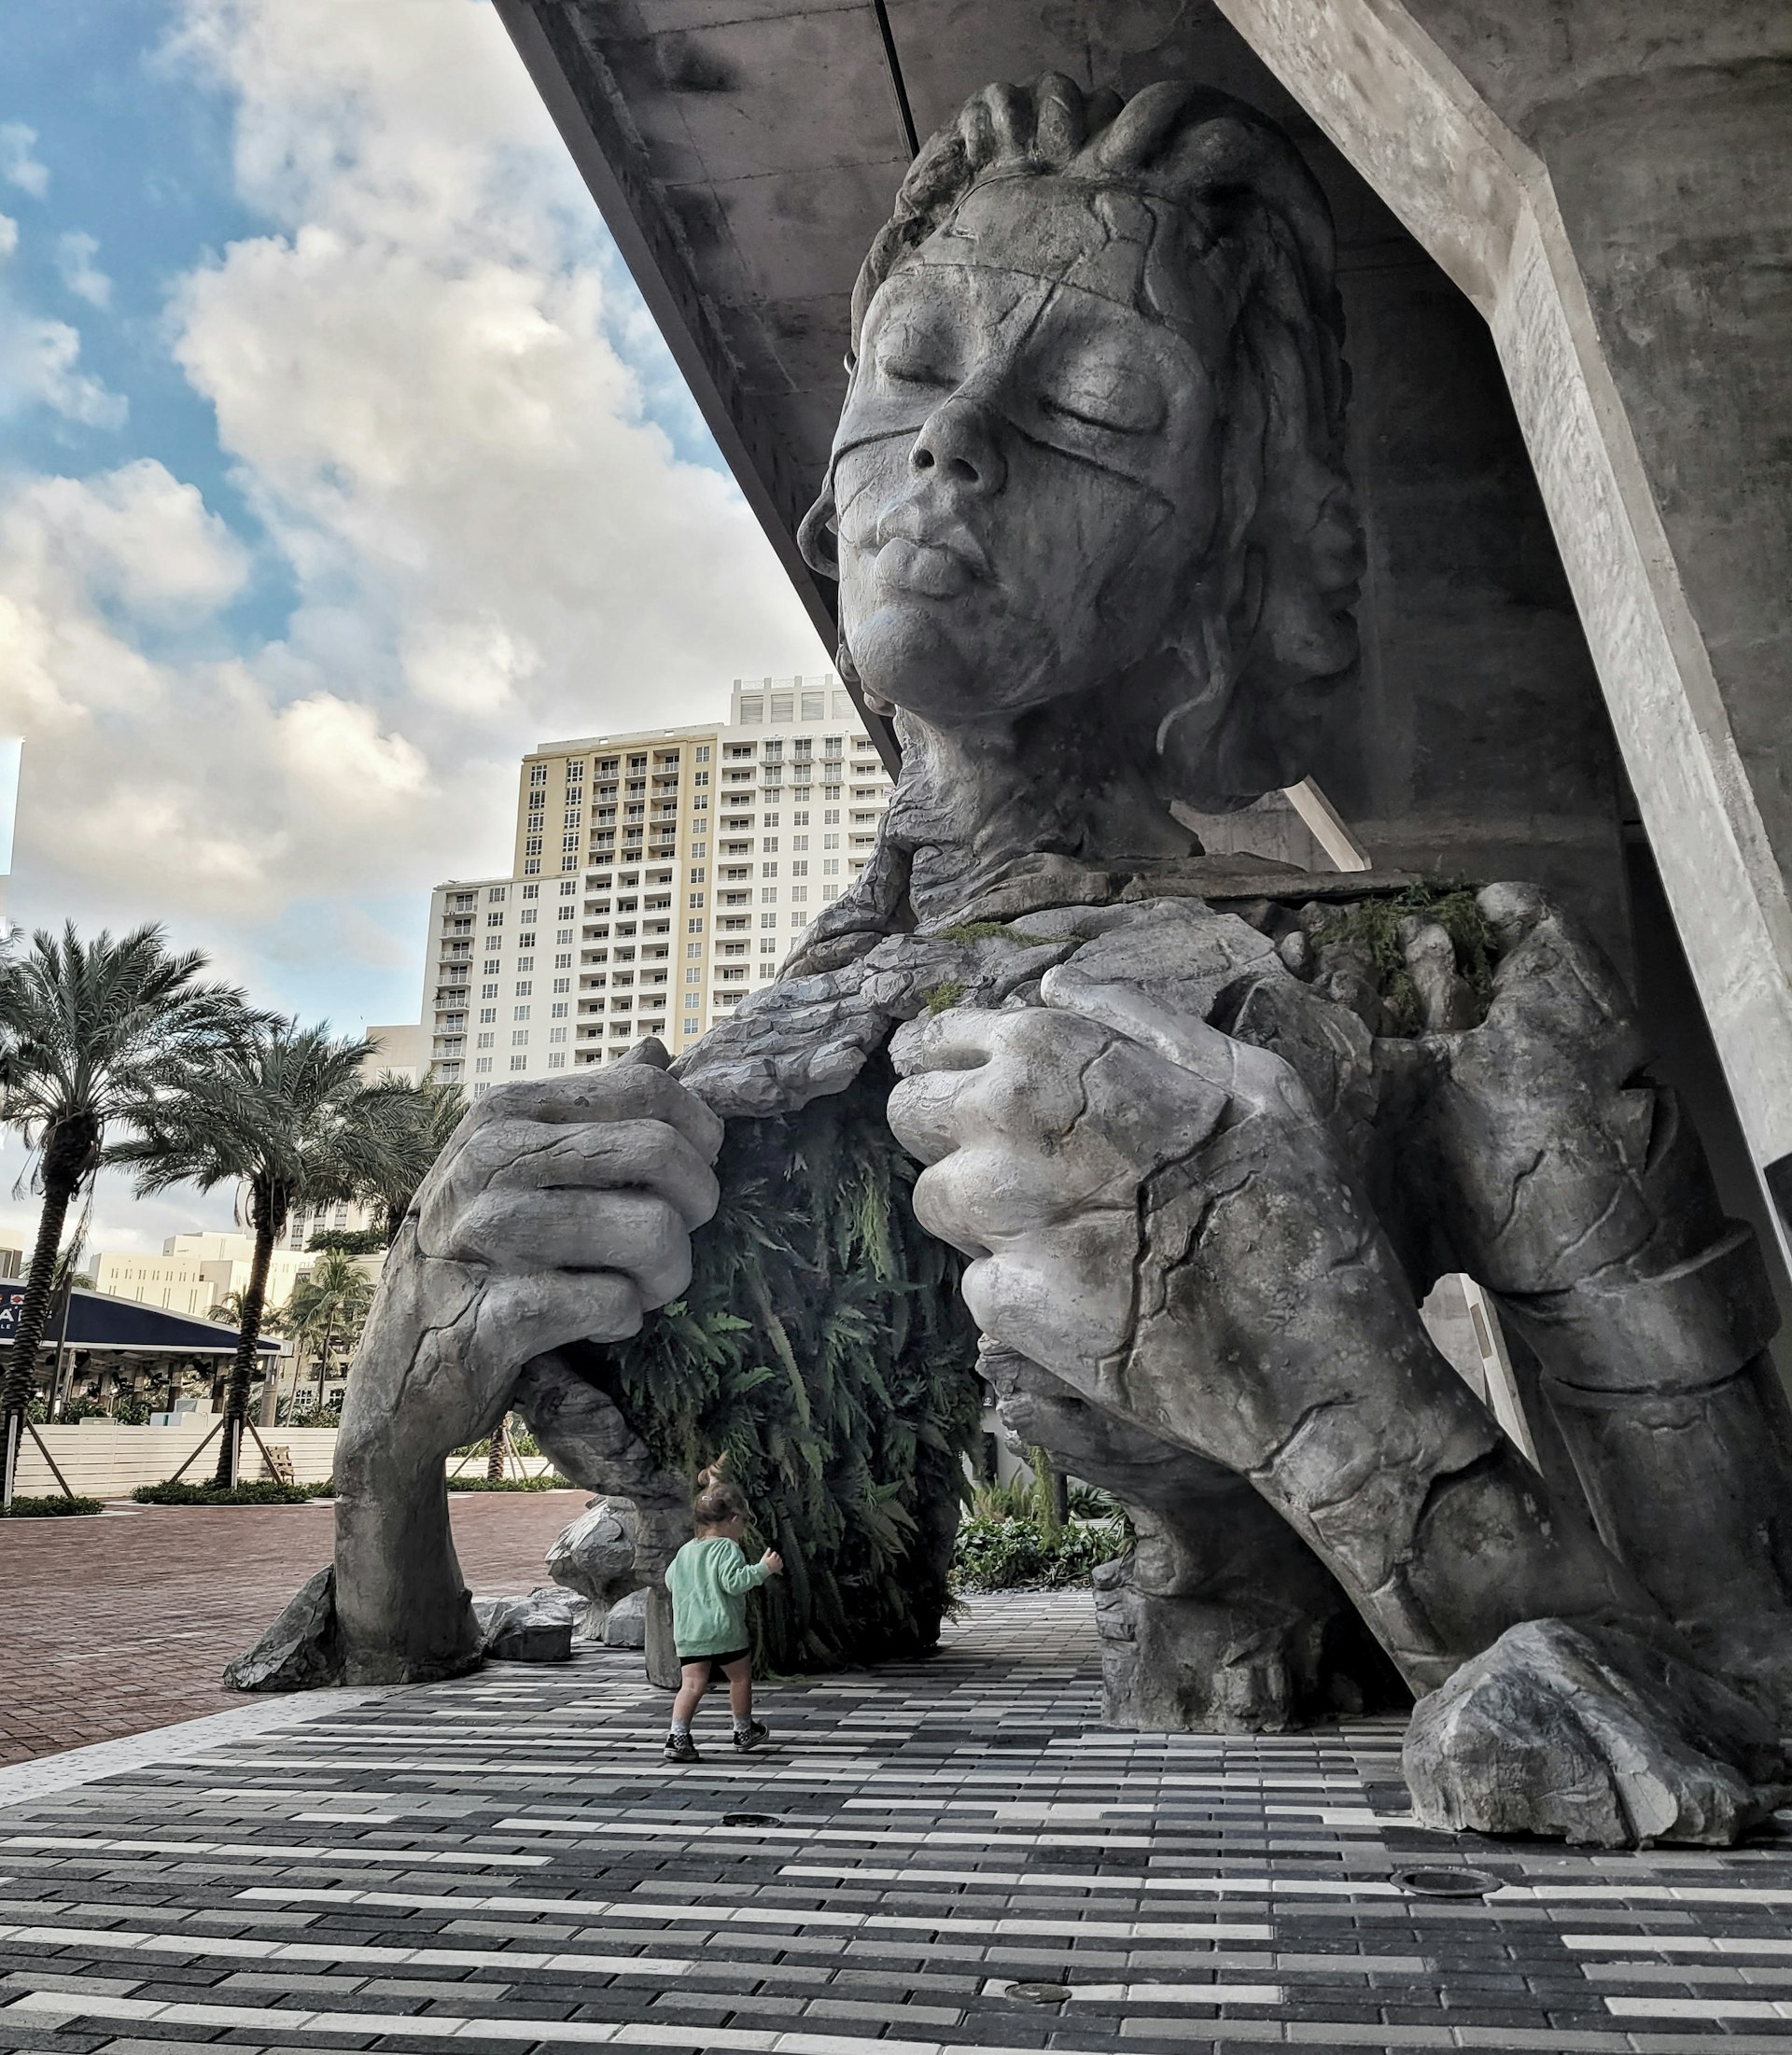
point(961, 440)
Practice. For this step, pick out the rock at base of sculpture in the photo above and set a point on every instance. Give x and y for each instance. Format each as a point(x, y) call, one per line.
point(300, 1651)
point(1174, 1663)
point(537, 1628)
point(1592, 1734)
point(623, 1624)
point(596, 1558)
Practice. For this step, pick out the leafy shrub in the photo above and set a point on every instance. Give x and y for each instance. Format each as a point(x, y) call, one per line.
point(548, 1483)
point(51, 1508)
point(261, 1491)
point(998, 1554)
point(822, 1347)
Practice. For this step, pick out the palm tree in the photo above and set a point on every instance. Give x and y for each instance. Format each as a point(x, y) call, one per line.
point(280, 1115)
point(414, 1122)
point(92, 1036)
point(330, 1300)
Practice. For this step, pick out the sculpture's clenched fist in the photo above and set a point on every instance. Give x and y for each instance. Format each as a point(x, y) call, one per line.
point(560, 1212)
point(1158, 1215)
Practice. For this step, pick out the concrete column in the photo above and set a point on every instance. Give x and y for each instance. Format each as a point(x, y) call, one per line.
point(1609, 181)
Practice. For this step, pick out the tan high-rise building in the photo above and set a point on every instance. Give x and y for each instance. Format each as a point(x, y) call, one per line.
point(658, 878)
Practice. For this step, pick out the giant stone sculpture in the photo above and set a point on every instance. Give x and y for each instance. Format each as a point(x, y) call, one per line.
point(1098, 553)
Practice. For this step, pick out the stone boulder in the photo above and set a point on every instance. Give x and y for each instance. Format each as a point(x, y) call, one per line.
point(537, 1628)
point(301, 1650)
point(597, 1558)
point(1593, 1733)
point(624, 1624)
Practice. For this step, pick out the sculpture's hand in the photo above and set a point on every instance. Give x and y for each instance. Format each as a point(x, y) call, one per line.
point(1155, 1211)
point(1547, 1153)
point(561, 1209)
point(1158, 1215)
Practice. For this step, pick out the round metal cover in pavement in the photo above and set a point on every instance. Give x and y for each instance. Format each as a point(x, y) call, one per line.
point(750, 1819)
point(1039, 1994)
point(1447, 1883)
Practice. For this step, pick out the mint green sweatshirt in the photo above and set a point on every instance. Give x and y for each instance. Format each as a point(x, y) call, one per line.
point(709, 1580)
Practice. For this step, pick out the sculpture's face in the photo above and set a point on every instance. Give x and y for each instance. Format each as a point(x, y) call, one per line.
point(1025, 471)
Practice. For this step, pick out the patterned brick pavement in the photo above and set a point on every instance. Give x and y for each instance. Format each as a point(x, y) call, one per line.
point(940, 1858)
point(113, 1625)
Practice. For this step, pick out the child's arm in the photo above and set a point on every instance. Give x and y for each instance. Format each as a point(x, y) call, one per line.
point(735, 1573)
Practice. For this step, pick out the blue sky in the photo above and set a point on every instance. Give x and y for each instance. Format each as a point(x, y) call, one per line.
point(339, 464)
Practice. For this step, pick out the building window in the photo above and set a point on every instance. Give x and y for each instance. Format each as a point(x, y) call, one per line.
point(523, 986)
point(532, 868)
point(768, 895)
point(487, 1013)
point(693, 927)
point(494, 920)
point(537, 773)
point(799, 892)
point(557, 1062)
point(497, 894)
point(829, 866)
point(569, 841)
point(563, 983)
point(696, 876)
point(800, 869)
point(519, 1038)
point(518, 1013)
point(519, 1063)
point(703, 755)
point(485, 1041)
point(531, 891)
point(769, 847)
point(532, 846)
point(768, 921)
point(482, 1065)
point(488, 991)
point(696, 900)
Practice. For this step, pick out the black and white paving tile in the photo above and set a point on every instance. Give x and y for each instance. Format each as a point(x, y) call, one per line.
point(934, 1858)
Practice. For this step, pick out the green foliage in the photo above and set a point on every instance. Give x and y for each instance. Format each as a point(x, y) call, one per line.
point(301, 1409)
point(51, 1509)
point(132, 1411)
point(545, 1483)
point(1024, 1497)
point(995, 1554)
point(1376, 924)
point(946, 993)
point(261, 1491)
point(348, 1241)
point(825, 1352)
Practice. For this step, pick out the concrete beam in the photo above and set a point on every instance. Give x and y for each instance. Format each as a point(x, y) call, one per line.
point(1488, 129)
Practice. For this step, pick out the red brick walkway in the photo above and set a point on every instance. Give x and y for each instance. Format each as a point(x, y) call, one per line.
point(109, 1627)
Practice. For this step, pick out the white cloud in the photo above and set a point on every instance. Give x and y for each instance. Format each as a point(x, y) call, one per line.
point(9, 236)
point(38, 363)
point(18, 166)
point(416, 378)
point(137, 537)
point(74, 255)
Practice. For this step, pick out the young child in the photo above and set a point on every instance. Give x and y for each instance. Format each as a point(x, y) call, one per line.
point(709, 1579)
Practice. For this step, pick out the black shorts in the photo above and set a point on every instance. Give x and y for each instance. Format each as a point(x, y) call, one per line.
point(716, 1662)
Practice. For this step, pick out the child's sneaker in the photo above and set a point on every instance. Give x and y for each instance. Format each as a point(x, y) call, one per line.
point(753, 1735)
point(680, 1748)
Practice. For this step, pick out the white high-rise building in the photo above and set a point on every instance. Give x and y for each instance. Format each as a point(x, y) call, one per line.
point(659, 877)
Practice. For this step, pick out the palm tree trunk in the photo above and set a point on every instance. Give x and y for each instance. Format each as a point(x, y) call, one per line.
point(236, 1397)
point(500, 1447)
point(65, 1157)
point(322, 1357)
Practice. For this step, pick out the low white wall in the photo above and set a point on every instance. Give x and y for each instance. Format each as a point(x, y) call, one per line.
point(101, 1460)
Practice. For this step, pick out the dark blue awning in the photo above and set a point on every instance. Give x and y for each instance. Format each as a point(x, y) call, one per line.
point(98, 1321)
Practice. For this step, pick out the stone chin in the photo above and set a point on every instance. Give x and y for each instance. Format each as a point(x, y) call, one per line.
point(932, 657)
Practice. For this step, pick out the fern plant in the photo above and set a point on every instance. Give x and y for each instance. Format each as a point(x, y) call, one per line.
point(822, 1349)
